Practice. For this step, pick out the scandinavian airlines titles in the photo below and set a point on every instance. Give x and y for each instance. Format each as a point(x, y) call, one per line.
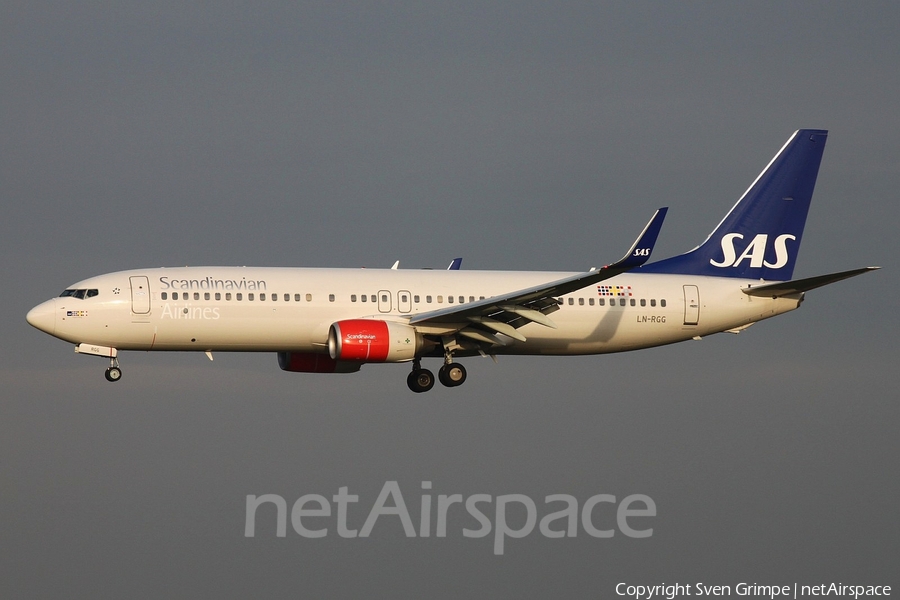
point(210, 283)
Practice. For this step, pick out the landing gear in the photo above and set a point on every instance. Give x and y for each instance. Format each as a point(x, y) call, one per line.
point(420, 380)
point(452, 374)
point(113, 373)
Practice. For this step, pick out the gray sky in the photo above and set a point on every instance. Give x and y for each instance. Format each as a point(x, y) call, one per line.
point(519, 137)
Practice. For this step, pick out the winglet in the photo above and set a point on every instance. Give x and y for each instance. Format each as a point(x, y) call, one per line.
point(455, 264)
point(643, 246)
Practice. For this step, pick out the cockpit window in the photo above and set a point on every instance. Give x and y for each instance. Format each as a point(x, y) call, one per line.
point(79, 294)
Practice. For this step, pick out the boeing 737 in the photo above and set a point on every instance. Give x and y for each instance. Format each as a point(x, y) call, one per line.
point(336, 320)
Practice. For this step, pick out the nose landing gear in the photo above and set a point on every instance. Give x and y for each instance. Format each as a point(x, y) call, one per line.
point(113, 373)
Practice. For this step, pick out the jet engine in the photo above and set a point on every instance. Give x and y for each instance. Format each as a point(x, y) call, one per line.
point(372, 340)
point(307, 362)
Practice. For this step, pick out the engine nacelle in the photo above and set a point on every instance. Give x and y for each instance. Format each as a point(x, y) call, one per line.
point(307, 362)
point(371, 340)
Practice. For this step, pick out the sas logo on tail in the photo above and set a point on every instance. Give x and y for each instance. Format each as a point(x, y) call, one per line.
point(755, 252)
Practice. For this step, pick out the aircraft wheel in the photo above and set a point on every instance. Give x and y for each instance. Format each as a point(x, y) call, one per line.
point(113, 374)
point(452, 375)
point(420, 380)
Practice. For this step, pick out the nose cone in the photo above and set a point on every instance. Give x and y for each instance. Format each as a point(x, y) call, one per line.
point(43, 316)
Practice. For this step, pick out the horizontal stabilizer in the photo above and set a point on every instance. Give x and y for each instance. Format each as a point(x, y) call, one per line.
point(786, 288)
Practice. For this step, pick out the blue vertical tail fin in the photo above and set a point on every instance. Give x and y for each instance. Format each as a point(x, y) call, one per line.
point(760, 237)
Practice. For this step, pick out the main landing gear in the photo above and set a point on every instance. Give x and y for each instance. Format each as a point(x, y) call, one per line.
point(421, 380)
point(452, 374)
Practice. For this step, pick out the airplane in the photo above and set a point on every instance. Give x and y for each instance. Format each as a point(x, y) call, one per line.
point(336, 320)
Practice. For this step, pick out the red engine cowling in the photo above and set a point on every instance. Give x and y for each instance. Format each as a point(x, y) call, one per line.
point(371, 340)
point(307, 362)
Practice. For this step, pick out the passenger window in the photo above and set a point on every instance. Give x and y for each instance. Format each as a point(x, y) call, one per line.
point(384, 298)
point(481, 297)
point(643, 302)
point(404, 298)
point(416, 298)
point(440, 299)
point(164, 296)
point(296, 297)
point(428, 299)
point(591, 301)
point(652, 301)
point(352, 297)
point(206, 295)
point(250, 297)
point(662, 303)
point(365, 298)
point(218, 295)
point(621, 301)
point(287, 297)
point(581, 302)
point(228, 296)
point(374, 298)
point(471, 298)
point(602, 301)
point(632, 302)
point(450, 299)
point(174, 295)
point(239, 296)
point(309, 297)
point(331, 297)
point(571, 301)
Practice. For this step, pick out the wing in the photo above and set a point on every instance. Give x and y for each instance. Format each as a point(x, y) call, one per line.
point(480, 320)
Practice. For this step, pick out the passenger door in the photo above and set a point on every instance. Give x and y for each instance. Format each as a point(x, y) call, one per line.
point(691, 305)
point(140, 295)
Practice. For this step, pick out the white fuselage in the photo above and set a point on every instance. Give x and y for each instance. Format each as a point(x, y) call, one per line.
point(291, 309)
